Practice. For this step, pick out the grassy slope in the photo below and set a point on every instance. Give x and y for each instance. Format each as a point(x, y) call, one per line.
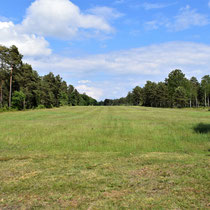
point(110, 157)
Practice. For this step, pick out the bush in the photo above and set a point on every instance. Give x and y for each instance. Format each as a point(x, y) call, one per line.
point(4, 109)
point(18, 99)
point(7, 109)
point(41, 106)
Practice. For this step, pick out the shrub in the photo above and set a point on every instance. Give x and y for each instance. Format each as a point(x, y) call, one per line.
point(41, 106)
point(18, 99)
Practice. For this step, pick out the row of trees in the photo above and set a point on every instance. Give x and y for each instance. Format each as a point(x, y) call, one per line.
point(175, 91)
point(21, 87)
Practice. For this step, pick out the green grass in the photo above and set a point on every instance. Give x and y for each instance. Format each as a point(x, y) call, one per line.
point(105, 158)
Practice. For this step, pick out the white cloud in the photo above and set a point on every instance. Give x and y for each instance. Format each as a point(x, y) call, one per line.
point(84, 81)
point(113, 70)
point(4, 19)
point(62, 19)
point(189, 17)
point(29, 45)
point(155, 24)
point(94, 92)
point(209, 4)
point(119, 1)
point(57, 18)
point(105, 12)
point(150, 60)
point(149, 6)
point(186, 19)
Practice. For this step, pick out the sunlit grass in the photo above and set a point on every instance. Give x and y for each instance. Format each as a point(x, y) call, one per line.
point(105, 157)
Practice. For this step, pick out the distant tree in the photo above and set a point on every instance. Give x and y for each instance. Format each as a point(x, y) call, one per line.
point(175, 79)
point(18, 99)
point(2, 79)
point(49, 90)
point(162, 96)
point(28, 82)
point(47, 86)
point(194, 84)
point(63, 98)
point(14, 59)
point(175, 91)
point(3, 70)
point(180, 97)
point(108, 102)
point(205, 85)
point(129, 98)
point(150, 94)
point(137, 95)
point(70, 92)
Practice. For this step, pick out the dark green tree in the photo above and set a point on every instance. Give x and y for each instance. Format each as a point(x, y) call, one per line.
point(129, 98)
point(137, 96)
point(14, 59)
point(18, 99)
point(3, 71)
point(162, 96)
point(180, 97)
point(205, 85)
point(175, 79)
point(194, 88)
point(150, 94)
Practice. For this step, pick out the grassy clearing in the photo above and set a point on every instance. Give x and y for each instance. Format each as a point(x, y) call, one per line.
point(105, 157)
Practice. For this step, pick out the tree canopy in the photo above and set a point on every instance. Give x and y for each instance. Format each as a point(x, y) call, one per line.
point(22, 87)
point(175, 91)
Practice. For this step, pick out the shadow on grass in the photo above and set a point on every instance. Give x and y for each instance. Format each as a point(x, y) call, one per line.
point(202, 128)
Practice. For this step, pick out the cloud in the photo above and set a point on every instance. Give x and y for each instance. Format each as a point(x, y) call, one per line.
point(29, 45)
point(119, 1)
point(84, 81)
point(189, 17)
point(57, 18)
point(63, 19)
point(4, 19)
point(149, 6)
point(127, 67)
point(94, 92)
point(186, 19)
point(105, 12)
point(156, 24)
point(149, 60)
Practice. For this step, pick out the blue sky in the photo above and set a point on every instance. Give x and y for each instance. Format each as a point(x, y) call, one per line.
point(106, 48)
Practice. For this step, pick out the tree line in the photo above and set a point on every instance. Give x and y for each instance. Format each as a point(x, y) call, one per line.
point(175, 91)
point(21, 87)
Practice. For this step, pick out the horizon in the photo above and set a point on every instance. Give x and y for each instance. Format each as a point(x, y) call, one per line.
point(106, 49)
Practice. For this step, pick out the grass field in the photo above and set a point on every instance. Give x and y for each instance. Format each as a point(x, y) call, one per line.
point(105, 158)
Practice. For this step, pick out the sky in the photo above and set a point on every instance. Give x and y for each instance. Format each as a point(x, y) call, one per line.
point(106, 48)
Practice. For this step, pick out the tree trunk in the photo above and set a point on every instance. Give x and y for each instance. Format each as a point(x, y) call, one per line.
point(24, 103)
point(190, 103)
point(208, 101)
point(196, 102)
point(205, 98)
point(1, 94)
point(10, 90)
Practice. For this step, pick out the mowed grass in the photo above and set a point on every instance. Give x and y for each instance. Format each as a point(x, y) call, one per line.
point(105, 158)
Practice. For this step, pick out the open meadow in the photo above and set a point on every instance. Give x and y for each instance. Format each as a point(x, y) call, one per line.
point(105, 158)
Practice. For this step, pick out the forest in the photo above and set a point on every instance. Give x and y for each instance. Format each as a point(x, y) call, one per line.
point(175, 91)
point(21, 87)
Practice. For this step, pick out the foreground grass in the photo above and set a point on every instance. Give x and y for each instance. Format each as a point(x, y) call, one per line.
point(105, 157)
